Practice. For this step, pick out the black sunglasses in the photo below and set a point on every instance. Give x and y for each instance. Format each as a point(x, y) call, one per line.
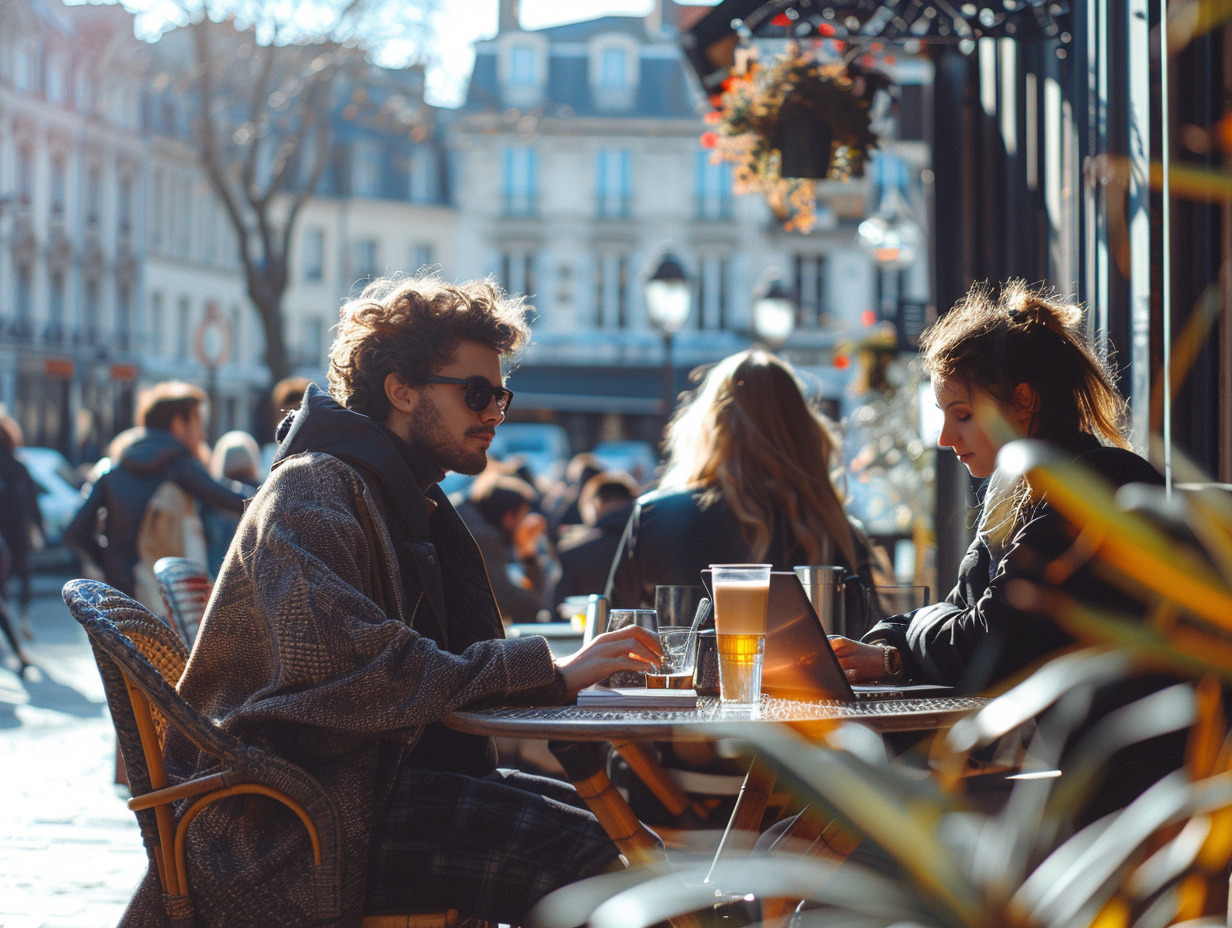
point(479, 391)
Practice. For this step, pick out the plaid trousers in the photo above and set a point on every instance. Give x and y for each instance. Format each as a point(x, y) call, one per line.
point(490, 847)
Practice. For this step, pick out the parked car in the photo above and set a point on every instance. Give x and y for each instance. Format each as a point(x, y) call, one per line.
point(543, 447)
point(58, 488)
point(638, 459)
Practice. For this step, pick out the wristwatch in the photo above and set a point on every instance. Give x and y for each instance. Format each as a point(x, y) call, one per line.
point(891, 660)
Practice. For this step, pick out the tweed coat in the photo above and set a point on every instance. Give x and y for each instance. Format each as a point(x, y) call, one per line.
point(308, 648)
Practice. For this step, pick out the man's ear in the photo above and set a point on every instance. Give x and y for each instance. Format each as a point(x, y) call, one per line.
point(401, 397)
point(1025, 406)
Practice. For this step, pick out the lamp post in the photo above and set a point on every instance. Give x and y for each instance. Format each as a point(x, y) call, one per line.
point(774, 313)
point(891, 234)
point(668, 295)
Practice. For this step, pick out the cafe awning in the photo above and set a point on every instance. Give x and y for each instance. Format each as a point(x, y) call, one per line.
point(711, 43)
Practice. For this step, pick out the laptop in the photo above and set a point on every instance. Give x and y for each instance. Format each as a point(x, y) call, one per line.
point(799, 662)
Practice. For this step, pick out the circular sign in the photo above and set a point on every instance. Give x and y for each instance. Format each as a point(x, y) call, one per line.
point(213, 337)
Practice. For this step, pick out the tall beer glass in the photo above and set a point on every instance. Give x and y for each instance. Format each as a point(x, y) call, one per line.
point(741, 594)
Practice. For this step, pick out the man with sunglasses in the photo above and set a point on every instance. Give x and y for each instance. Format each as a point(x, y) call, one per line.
point(353, 613)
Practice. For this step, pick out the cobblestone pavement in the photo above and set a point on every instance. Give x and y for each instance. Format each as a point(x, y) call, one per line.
point(70, 853)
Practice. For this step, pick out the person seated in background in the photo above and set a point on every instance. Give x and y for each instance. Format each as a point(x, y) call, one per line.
point(285, 397)
point(585, 553)
point(747, 479)
point(560, 504)
point(499, 512)
point(1003, 366)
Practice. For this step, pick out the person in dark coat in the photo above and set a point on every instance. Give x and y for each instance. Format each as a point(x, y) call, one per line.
point(351, 615)
point(747, 480)
point(1003, 366)
point(106, 527)
point(586, 551)
point(19, 517)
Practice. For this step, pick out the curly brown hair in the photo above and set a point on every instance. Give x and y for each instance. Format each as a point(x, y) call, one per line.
point(411, 327)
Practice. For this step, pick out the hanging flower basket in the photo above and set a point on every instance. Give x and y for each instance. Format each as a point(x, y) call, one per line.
point(791, 123)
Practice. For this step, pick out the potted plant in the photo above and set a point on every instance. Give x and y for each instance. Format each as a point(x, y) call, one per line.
point(792, 122)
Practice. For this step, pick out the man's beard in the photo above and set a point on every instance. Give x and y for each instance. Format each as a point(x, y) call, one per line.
point(427, 433)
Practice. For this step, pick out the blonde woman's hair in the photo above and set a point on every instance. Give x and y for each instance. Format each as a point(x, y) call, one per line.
point(749, 434)
point(996, 340)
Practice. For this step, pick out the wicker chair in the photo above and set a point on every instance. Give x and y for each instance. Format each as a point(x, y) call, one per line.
point(185, 586)
point(140, 659)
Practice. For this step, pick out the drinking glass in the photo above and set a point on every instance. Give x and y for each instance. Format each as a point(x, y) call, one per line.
point(620, 618)
point(675, 671)
point(741, 595)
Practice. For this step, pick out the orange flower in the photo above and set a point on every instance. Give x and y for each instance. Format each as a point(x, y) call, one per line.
point(709, 139)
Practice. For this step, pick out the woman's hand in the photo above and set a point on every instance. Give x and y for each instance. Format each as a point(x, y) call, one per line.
point(863, 663)
point(629, 648)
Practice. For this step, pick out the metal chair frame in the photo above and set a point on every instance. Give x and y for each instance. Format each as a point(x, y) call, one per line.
point(185, 586)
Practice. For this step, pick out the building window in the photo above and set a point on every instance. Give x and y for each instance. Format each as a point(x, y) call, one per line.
point(714, 293)
point(714, 188)
point(314, 255)
point(517, 272)
point(125, 220)
point(59, 187)
point(365, 170)
point(613, 69)
point(809, 273)
point(519, 181)
point(90, 316)
point(157, 183)
point(25, 177)
point(56, 83)
point(522, 66)
point(94, 196)
point(312, 340)
point(23, 304)
point(55, 309)
point(423, 256)
point(612, 292)
point(365, 259)
point(124, 317)
point(184, 328)
point(23, 67)
point(612, 185)
point(422, 185)
point(156, 322)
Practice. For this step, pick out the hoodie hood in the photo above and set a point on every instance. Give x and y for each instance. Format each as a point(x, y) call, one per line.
point(323, 425)
point(152, 453)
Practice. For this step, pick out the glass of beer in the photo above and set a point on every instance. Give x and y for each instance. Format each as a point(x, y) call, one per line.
point(741, 595)
point(675, 672)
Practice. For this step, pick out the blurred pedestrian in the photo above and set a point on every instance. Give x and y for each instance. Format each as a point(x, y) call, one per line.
point(236, 458)
point(560, 503)
point(21, 521)
point(747, 479)
point(112, 528)
point(19, 518)
point(285, 397)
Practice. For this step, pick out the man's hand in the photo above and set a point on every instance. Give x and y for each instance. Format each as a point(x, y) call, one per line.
point(861, 662)
point(630, 648)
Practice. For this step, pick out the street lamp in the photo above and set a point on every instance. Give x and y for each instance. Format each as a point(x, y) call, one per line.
point(668, 294)
point(891, 234)
point(774, 313)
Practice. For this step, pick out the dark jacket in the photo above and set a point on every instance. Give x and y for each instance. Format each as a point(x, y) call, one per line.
point(123, 493)
point(585, 556)
point(19, 513)
point(672, 537)
point(516, 603)
point(352, 613)
point(975, 640)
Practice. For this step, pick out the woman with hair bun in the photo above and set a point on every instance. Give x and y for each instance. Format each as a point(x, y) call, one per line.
point(1005, 365)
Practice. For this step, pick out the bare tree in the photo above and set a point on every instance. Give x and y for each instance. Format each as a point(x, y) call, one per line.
point(269, 81)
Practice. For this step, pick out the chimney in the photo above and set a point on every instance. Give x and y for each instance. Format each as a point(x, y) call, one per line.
point(509, 17)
